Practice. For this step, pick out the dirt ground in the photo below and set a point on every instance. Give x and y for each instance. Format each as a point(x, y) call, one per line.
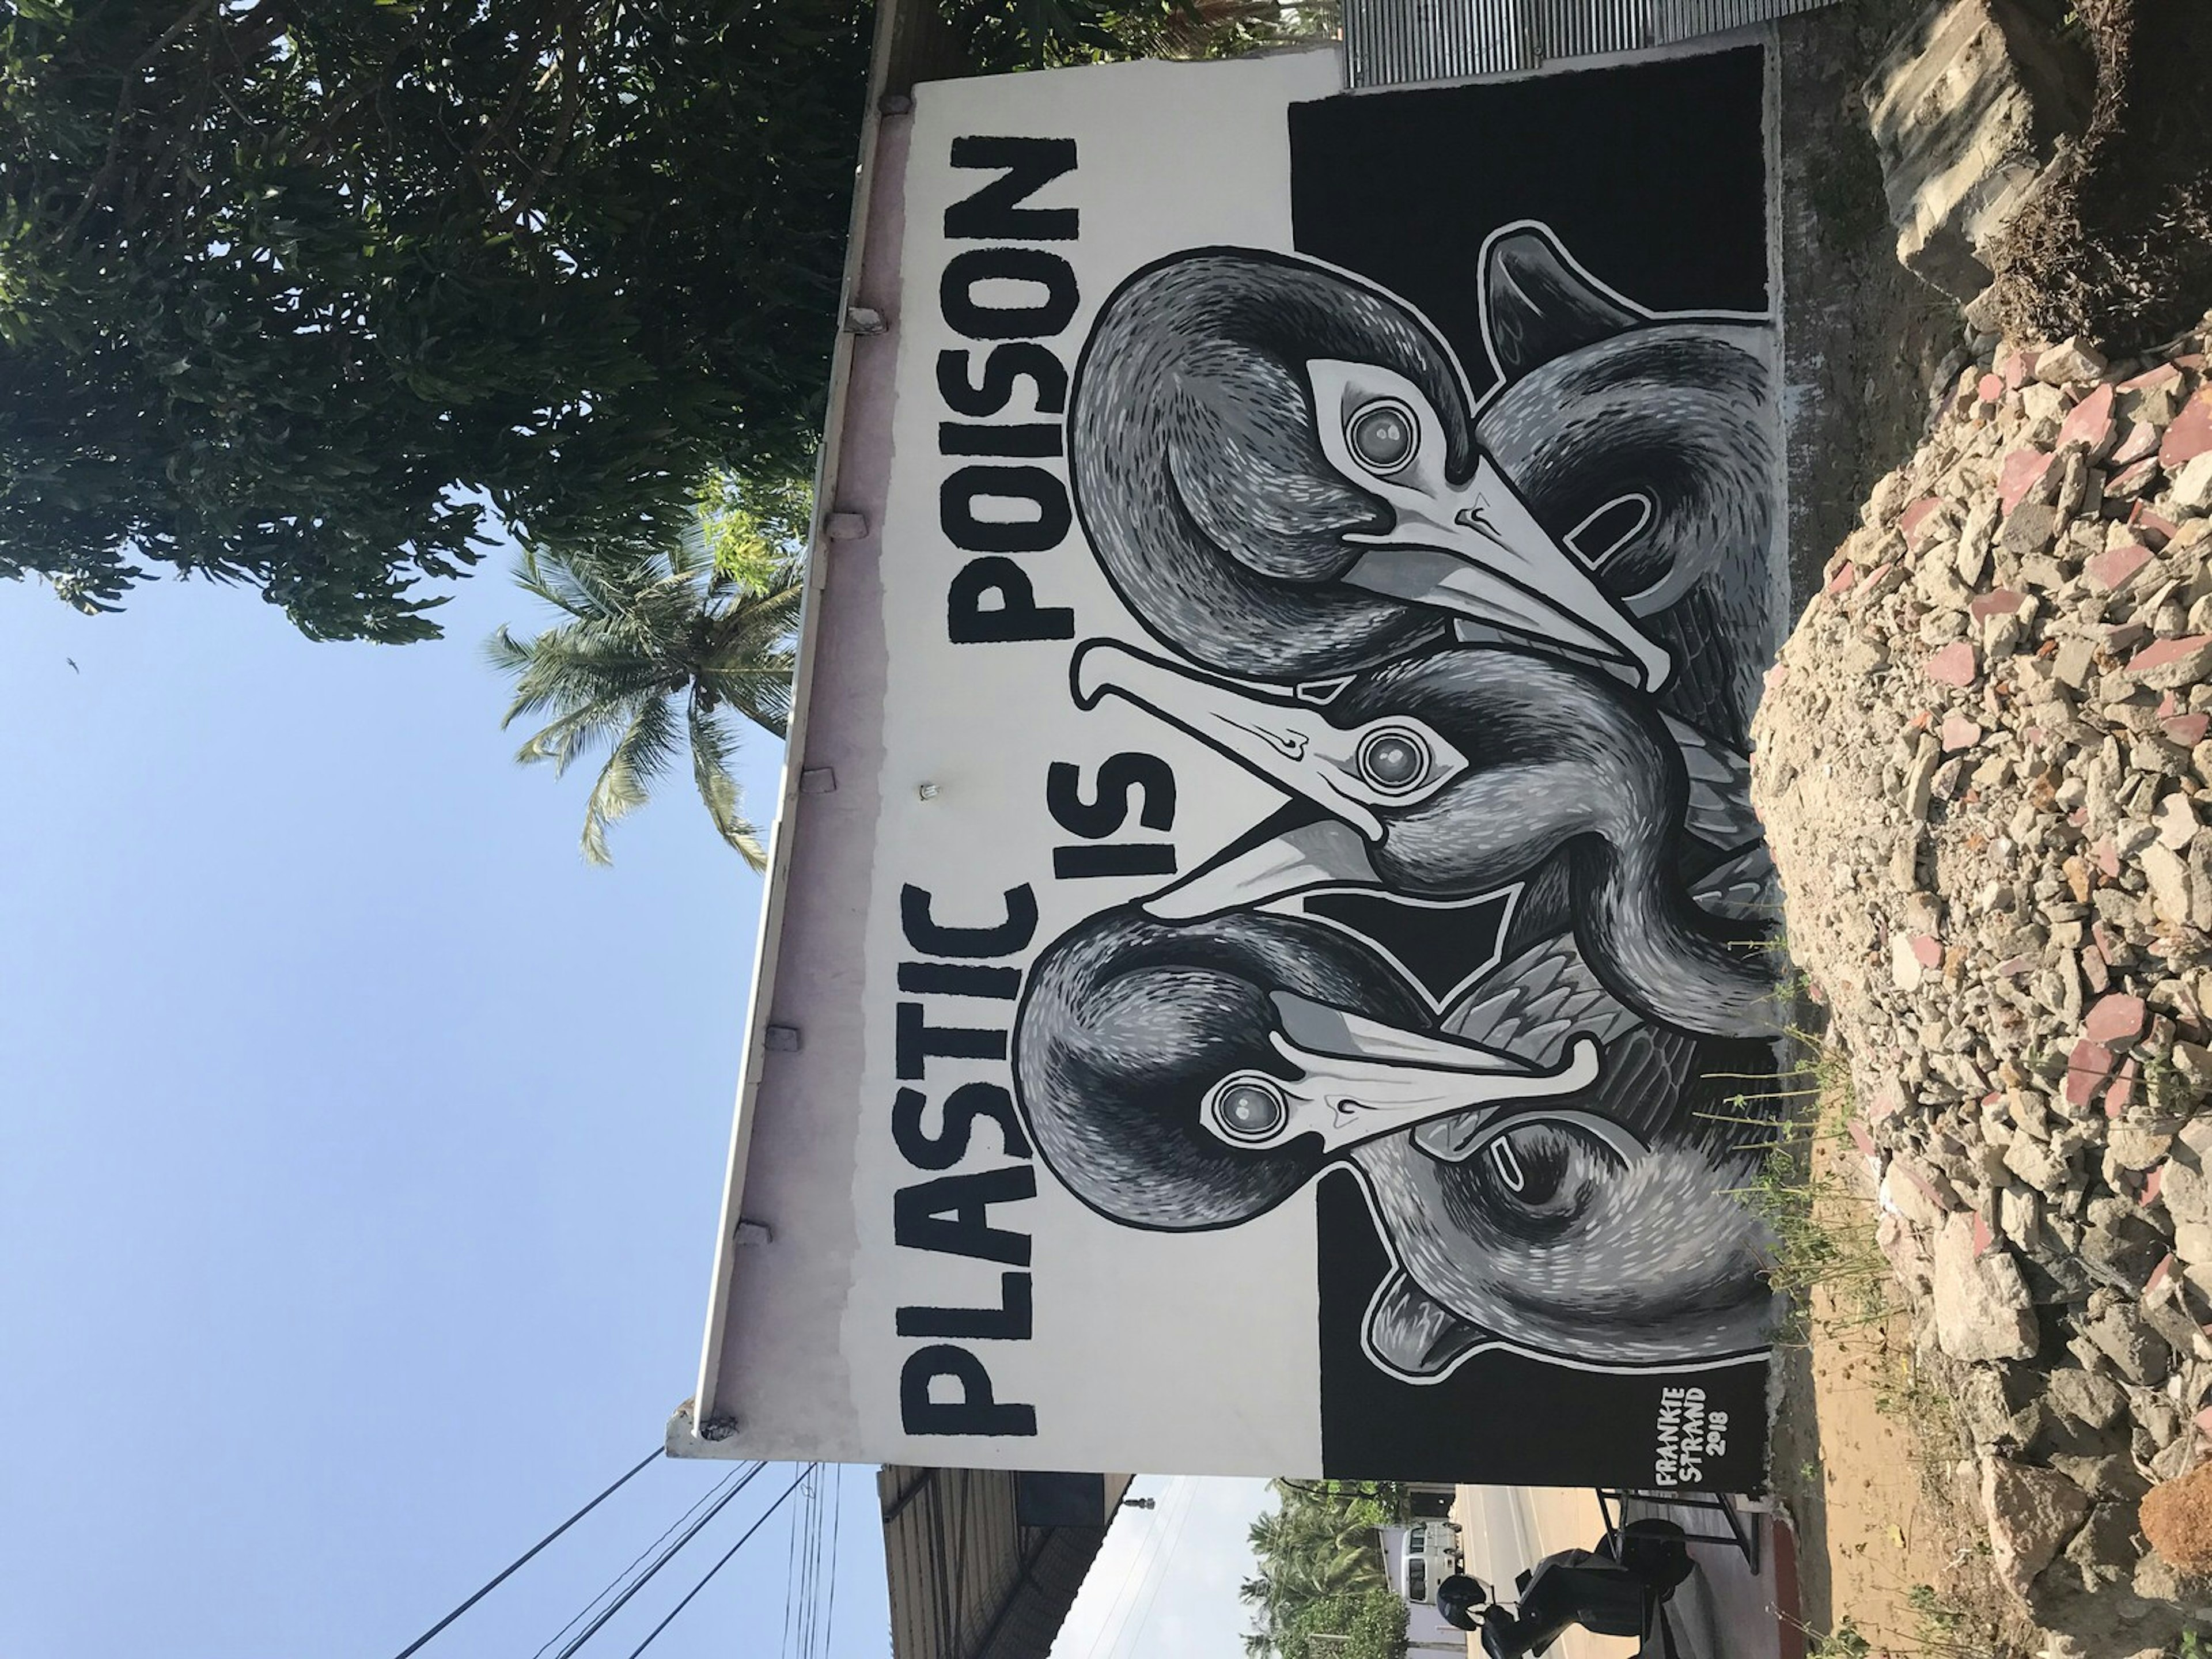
point(1891, 1554)
point(1893, 1560)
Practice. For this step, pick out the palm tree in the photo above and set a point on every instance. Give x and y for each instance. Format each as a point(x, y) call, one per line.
point(1316, 1560)
point(654, 648)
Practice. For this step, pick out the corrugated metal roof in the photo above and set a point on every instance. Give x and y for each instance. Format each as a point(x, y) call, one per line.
point(1395, 43)
point(967, 1580)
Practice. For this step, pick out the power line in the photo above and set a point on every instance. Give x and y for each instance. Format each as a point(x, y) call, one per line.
point(1181, 1491)
point(667, 1555)
point(1124, 1586)
point(1143, 1614)
point(1156, 1570)
point(812, 1640)
point(420, 1641)
point(836, 1530)
point(790, 1577)
point(616, 1581)
point(806, 1538)
point(724, 1562)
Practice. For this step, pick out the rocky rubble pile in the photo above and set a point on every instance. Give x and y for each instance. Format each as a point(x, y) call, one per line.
point(1984, 763)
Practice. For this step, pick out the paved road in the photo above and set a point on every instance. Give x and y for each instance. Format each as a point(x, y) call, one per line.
point(1722, 1612)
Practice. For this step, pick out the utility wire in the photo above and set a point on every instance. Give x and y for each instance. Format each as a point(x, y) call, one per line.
point(836, 1527)
point(620, 1578)
point(667, 1555)
point(422, 1641)
point(790, 1577)
point(724, 1562)
point(810, 1621)
point(1142, 1614)
point(1137, 1574)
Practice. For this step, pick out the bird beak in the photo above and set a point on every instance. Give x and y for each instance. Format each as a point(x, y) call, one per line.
point(1287, 742)
point(1480, 552)
point(1322, 853)
point(1360, 1079)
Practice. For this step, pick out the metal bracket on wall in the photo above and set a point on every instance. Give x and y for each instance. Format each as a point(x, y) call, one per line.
point(1400, 43)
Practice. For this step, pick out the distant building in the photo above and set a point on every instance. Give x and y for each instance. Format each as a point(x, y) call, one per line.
point(984, 1564)
point(1426, 1628)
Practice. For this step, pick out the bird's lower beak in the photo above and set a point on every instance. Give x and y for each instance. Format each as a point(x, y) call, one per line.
point(1487, 559)
point(1288, 743)
point(1320, 854)
point(1380, 1079)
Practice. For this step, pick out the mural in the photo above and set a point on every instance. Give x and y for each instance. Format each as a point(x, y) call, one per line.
point(1272, 945)
point(1347, 566)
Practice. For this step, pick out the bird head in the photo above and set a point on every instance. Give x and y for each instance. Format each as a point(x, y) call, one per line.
point(1445, 775)
point(1276, 465)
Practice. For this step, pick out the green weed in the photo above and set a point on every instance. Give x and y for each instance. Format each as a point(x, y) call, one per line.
point(1843, 1642)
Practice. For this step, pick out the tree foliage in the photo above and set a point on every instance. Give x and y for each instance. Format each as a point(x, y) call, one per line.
point(277, 275)
point(753, 524)
point(1003, 35)
point(1319, 1571)
point(654, 651)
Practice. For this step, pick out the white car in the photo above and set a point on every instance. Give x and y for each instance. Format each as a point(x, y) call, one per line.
point(1433, 1554)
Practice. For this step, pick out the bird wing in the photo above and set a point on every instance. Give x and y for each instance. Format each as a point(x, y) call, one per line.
point(1532, 1004)
point(1712, 632)
point(1411, 1333)
point(1720, 787)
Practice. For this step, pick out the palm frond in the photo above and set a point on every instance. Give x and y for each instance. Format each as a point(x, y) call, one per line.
point(693, 555)
point(600, 587)
point(625, 782)
point(753, 656)
point(711, 750)
point(637, 629)
point(546, 577)
point(562, 679)
point(563, 740)
point(762, 695)
point(505, 652)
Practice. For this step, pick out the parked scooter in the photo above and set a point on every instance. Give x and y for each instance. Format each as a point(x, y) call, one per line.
point(1620, 1588)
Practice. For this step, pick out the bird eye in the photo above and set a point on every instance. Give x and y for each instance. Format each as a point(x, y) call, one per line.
point(1393, 760)
point(1509, 1163)
point(1540, 1174)
point(1382, 436)
point(1249, 1110)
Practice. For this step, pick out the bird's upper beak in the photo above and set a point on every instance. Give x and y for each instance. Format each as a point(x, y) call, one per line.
point(1291, 743)
point(1360, 1079)
point(1479, 552)
point(1349, 772)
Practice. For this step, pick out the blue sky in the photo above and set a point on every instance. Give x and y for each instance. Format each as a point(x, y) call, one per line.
point(360, 1151)
point(360, 1157)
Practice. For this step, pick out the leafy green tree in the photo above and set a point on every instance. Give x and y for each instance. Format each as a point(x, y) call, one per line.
point(1002, 34)
point(290, 289)
point(752, 524)
point(1374, 1620)
point(1320, 1572)
point(656, 651)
